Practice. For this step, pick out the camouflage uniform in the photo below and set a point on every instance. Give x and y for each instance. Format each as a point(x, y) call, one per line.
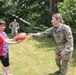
point(14, 26)
point(64, 39)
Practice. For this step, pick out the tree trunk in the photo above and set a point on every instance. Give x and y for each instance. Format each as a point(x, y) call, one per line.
point(53, 7)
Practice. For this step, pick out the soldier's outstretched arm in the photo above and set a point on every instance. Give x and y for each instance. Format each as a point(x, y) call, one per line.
point(46, 32)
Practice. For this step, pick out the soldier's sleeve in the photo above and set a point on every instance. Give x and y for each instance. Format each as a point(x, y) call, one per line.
point(69, 38)
point(18, 25)
point(46, 32)
point(10, 25)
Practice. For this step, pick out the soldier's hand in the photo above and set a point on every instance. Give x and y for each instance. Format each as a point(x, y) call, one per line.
point(61, 54)
point(29, 35)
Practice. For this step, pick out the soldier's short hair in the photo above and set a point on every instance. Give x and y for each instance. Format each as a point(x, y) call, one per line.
point(58, 17)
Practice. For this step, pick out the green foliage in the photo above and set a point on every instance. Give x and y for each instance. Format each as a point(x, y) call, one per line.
point(33, 11)
point(68, 10)
point(37, 12)
point(26, 29)
point(5, 7)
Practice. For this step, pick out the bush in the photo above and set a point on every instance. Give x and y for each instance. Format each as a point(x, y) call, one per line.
point(68, 11)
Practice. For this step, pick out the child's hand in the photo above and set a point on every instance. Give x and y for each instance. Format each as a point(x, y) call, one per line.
point(15, 38)
point(20, 40)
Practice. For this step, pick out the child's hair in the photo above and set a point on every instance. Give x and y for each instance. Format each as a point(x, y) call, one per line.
point(58, 17)
point(2, 22)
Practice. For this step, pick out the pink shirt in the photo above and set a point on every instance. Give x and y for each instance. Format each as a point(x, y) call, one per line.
point(3, 46)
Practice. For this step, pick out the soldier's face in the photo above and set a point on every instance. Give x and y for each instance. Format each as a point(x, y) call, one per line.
point(54, 21)
point(14, 20)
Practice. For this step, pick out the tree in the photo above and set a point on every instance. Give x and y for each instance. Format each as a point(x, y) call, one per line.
point(68, 11)
point(53, 6)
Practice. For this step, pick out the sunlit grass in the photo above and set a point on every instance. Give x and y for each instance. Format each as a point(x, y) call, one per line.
point(35, 56)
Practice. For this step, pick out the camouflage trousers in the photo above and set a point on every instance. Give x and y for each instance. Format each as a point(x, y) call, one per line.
point(62, 62)
point(14, 33)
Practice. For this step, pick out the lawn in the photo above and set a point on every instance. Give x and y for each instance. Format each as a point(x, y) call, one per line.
point(35, 56)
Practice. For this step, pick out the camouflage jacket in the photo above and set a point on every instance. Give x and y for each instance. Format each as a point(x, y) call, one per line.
point(63, 37)
point(14, 26)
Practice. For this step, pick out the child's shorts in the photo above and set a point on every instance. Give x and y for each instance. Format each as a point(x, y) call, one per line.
point(5, 60)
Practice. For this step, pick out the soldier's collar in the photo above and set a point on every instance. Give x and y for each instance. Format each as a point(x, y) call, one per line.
point(58, 29)
point(57, 26)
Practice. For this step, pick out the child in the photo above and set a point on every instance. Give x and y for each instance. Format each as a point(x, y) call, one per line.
point(4, 50)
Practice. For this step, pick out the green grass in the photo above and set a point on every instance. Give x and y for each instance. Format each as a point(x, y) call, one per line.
point(35, 56)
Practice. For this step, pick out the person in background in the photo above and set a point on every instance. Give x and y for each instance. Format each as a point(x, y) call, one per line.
point(64, 39)
point(14, 26)
point(4, 50)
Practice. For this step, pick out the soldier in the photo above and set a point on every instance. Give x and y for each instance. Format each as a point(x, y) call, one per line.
point(64, 39)
point(14, 26)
